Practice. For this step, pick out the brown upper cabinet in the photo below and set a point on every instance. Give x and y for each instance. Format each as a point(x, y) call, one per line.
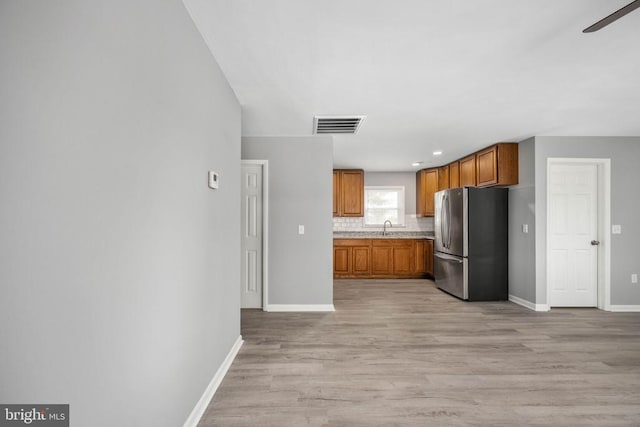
point(348, 192)
point(443, 177)
point(454, 175)
point(497, 165)
point(336, 193)
point(468, 171)
point(426, 187)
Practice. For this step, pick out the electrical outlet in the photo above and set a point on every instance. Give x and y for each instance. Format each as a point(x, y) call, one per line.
point(634, 278)
point(525, 228)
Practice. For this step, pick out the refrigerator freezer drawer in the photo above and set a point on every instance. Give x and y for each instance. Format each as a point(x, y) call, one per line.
point(451, 274)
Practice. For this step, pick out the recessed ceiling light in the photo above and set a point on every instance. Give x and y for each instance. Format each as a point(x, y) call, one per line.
point(416, 163)
point(437, 153)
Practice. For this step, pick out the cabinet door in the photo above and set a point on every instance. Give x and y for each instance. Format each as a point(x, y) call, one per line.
point(360, 260)
point(403, 258)
point(428, 258)
point(352, 187)
point(468, 171)
point(507, 161)
point(426, 187)
point(420, 193)
point(454, 175)
point(498, 165)
point(487, 167)
point(381, 259)
point(423, 257)
point(419, 251)
point(443, 177)
point(430, 191)
point(336, 193)
point(341, 264)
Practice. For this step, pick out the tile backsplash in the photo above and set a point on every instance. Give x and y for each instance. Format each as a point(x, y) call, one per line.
point(412, 223)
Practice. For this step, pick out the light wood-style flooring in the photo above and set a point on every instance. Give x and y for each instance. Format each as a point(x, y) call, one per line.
point(403, 353)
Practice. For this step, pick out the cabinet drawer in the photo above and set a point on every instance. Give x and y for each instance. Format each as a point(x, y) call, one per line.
point(392, 242)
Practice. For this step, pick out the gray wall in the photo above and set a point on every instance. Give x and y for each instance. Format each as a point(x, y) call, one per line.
point(119, 296)
point(300, 192)
point(625, 204)
point(406, 179)
point(522, 256)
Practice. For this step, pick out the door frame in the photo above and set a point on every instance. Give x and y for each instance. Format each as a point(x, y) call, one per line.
point(265, 228)
point(604, 226)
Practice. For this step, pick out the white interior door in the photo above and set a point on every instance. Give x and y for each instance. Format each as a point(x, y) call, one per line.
point(573, 235)
point(251, 243)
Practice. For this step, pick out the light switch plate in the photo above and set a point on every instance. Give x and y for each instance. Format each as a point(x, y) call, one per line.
point(616, 229)
point(301, 229)
point(214, 180)
point(525, 228)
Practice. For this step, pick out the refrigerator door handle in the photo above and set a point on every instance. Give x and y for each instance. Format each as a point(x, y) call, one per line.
point(443, 197)
point(449, 222)
point(448, 257)
point(445, 220)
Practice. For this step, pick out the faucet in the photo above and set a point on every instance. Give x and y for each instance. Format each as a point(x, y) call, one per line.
point(384, 229)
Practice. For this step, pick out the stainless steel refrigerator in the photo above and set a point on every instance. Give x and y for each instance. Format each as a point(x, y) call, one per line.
point(471, 243)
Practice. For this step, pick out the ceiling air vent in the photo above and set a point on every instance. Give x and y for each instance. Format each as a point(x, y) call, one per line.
point(337, 124)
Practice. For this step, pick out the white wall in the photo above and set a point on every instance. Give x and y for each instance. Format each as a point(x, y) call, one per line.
point(528, 204)
point(522, 256)
point(119, 296)
point(300, 192)
point(624, 153)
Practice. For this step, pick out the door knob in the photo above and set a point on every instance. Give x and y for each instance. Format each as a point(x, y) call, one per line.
point(595, 242)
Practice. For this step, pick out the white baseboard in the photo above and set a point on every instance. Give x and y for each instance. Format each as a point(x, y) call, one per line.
point(528, 304)
point(201, 406)
point(625, 308)
point(300, 307)
point(545, 307)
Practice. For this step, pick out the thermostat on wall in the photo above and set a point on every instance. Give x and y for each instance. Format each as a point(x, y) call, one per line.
point(214, 180)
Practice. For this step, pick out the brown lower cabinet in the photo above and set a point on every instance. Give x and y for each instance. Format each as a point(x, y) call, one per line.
point(351, 257)
point(424, 257)
point(382, 258)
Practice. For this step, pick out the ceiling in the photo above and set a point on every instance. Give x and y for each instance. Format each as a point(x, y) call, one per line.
point(429, 75)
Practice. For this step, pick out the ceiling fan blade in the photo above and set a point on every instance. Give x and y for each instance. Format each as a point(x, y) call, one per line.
point(613, 17)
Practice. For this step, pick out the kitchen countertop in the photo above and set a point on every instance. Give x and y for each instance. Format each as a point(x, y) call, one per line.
point(378, 235)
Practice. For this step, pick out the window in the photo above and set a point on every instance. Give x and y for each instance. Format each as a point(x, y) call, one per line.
point(383, 203)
